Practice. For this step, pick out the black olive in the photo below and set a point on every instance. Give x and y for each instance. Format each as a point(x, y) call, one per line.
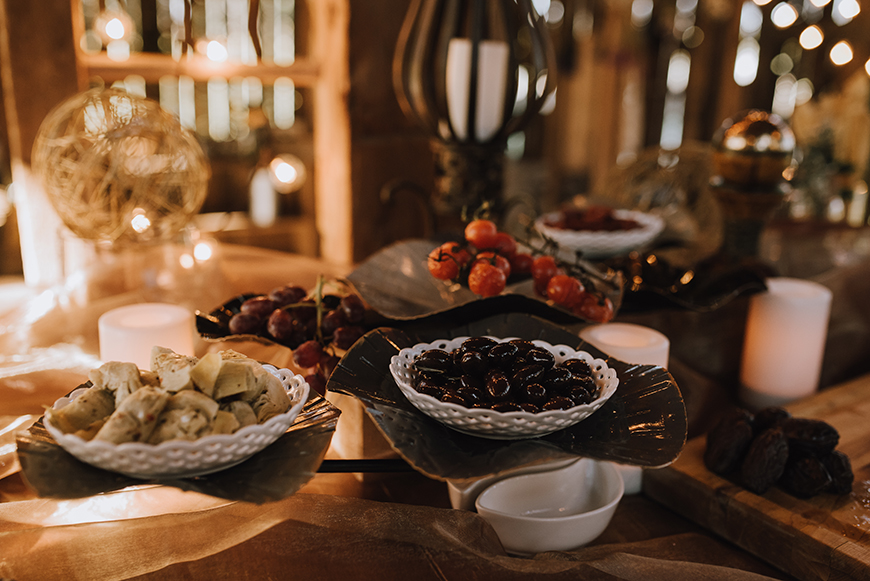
point(497, 385)
point(453, 397)
point(506, 406)
point(471, 381)
point(540, 356)
point(481, 344)
point(471, 395)
point(502, 355)
point(535, 393)
point(558, 379)
point(558, 403)
point(434, 361)
point(523, 346)
point(473, 363)
point(430, 388)
point(577, 367)
point(580, 395)
point(525, 375)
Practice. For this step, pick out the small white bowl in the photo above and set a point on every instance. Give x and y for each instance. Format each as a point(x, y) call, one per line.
point(604, 244)
point(185, 458)
point(487, 423)
point(557, 510)
point(463, 494)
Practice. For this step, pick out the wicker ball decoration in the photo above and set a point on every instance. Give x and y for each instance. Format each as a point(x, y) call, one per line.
point(119, 168)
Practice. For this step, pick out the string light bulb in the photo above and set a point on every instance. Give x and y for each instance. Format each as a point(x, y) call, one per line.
point(841, 53)
point(783, 15)
point(811, 37)
point(113, 25)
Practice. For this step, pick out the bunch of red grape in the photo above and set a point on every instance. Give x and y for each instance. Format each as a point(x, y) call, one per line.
point(313, 326)
point(488, 257)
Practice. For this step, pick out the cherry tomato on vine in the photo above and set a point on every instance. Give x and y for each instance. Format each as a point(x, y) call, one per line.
point(445, 261)
point(481, 233)
point(505, 244)
point(521, 263)
point(564, 290)
point(486, 279)
point(594, 309)
point(543, 269)
point(502, 263)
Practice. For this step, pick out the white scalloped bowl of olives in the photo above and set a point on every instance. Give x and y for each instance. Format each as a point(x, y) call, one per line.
point(503, 388)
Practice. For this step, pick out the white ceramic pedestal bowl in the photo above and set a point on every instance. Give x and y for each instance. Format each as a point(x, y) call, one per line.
point(557, 510)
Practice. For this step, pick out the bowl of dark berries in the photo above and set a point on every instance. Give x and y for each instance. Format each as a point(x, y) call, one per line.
point(599, 232)
point(503, 388)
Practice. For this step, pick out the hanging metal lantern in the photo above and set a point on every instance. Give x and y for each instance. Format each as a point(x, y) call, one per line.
point(471, 72)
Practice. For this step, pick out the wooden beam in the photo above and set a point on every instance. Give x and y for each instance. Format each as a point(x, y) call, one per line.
point(39, 70)
point(153, 66)
point(332, 133)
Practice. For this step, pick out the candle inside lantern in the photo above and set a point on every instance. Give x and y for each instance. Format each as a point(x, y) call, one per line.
point(786, 329)
point(492, 73)
point(632, 344)
point(129, 333)
point(629, 343)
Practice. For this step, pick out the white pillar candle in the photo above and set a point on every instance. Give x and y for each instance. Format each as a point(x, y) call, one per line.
point(492, 73)
point(129, 333)
point(629, 343)
point(786, 329)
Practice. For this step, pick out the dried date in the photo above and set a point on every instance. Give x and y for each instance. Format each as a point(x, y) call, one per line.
point(727, 443)
point(810, 437)
point(805, 477)
point(840, 469)
point(770, 417)
point(765, 460)
point(770, 442)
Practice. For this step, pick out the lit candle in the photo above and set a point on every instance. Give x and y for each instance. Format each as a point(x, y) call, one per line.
point(629, 343)
point(129, 333)
point(786, 329)
point(492, 73)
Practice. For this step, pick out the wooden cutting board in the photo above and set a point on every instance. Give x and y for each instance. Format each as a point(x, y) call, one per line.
point(823, 538)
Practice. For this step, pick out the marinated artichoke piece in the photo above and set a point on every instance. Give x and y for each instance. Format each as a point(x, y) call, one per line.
point(94, 405)
point(120, 378)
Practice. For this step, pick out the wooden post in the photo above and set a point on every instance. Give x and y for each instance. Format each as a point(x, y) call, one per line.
point(39, 69)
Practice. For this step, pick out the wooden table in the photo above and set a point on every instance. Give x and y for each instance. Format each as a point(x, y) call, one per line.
point(361, 526)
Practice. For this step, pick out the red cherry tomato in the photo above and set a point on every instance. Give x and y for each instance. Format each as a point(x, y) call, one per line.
point(499, 261)
point(521, 263)
point(594, 309)
point(481, 233)
point(505, 244)
point(445, 261)
point(544, 268)
point(486, 280)
point(564, 290)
